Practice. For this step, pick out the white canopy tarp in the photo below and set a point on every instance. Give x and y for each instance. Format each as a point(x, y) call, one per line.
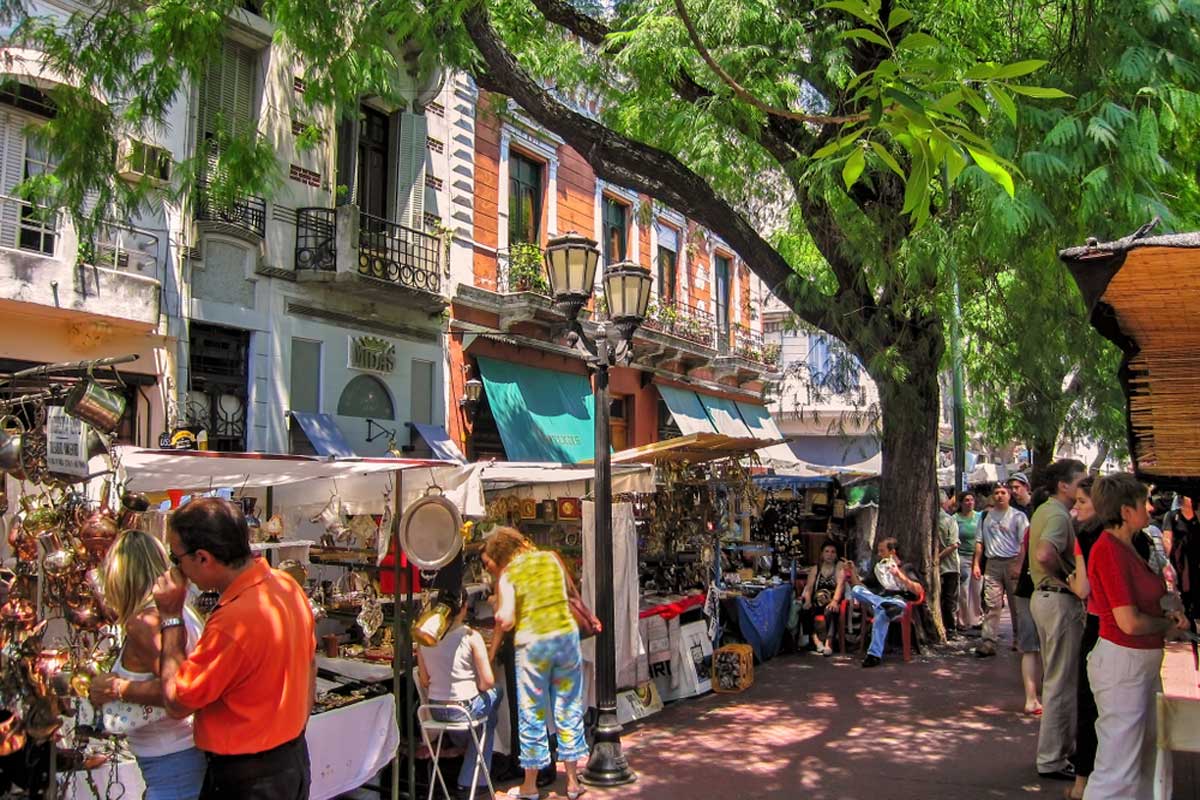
point(363, 485)
point(626, 478)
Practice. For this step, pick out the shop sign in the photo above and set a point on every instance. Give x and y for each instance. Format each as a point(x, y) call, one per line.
point(66, 443)
point(372, 354)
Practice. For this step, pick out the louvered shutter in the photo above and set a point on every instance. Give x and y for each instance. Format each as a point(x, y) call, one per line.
point(227, 93)
point(411, 163)
point(347, 159)
point(12, 161)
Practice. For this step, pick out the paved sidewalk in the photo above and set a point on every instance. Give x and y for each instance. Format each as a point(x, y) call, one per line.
point(947, 725)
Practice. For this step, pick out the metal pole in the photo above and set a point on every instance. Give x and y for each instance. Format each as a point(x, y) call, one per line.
point(607, 765)
point(960, 419)
point(399, 667)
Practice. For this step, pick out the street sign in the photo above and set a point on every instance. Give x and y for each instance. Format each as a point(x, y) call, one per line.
point(66, 443)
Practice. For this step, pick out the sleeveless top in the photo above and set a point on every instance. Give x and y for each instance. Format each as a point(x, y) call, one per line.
point(451, 666)
point(165, 736)
point(541, 591)
point(824, 586)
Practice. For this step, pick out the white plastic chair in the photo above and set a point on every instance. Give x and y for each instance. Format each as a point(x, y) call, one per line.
point(474, 728)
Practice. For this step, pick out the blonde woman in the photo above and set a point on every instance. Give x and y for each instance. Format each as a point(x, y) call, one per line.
point(533, 594)
point(172, 768)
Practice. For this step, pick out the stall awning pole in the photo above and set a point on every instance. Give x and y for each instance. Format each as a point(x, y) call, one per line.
point(399, 652)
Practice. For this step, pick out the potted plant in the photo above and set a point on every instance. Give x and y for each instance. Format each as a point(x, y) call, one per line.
point(525, 273)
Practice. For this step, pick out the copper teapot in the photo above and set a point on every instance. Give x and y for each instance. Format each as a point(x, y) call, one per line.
point(97, 532)
point(22, 542)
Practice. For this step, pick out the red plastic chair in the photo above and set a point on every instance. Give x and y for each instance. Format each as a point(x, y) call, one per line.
point(906, 621)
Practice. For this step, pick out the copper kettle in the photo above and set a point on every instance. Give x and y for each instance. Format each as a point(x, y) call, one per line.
point(97, 532)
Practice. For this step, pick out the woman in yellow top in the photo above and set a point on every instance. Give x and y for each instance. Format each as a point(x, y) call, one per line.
point(533, 592)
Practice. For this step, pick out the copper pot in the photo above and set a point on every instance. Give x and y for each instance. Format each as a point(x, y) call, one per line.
point(59, 552)
point(84, 615)
point(12, 732)
point(18, 611)
point(134, 505)
point(22, 542)
point(39, 519)
point(97, 533)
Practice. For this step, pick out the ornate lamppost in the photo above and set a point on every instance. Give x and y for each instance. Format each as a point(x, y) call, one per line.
point(571, 262)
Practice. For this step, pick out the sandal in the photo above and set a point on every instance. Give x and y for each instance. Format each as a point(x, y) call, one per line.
point(515, 792)
point(575, 795)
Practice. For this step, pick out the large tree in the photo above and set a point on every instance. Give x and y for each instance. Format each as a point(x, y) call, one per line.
point(855, 126)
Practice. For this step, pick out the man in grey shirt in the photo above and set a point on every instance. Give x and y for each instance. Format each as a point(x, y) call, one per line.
point(1058, 615)
point(1000, 536)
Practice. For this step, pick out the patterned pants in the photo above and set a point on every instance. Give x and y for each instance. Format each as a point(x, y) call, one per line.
point(550, 674)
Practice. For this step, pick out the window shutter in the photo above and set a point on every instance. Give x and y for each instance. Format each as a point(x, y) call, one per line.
point(347, 159)
point(668, 237)
point(227, 92)
point(411, 162)
point(12, 165)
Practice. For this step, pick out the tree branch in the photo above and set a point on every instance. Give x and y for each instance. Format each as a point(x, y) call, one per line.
point(745, 94)
point(641, 167)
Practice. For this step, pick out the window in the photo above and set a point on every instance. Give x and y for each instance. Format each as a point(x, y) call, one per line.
point(38, 225)
point(524, 199)
point(829, 364)
point(366, 396)
point(218, 362)
point(373, 162)
point(27, 98)
point(422, 391)
point(721, 269)
point(306, 376)
point(613, 218)
point(668, 262)
point(618, 422)
point(227, 94)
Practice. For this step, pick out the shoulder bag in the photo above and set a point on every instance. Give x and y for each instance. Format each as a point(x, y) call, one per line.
point(588, 623)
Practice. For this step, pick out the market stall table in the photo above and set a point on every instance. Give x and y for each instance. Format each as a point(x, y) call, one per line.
point(1178, 713)
point(762, 620)
point(347, 747)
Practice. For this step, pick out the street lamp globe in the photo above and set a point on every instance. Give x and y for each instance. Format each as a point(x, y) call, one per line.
point(627, 292)
point(473, 390)
point(571, 267)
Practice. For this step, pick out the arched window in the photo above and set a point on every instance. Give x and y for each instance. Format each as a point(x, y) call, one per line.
point(366, 396)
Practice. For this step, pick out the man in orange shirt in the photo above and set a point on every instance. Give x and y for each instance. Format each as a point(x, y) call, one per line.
point(251, 679)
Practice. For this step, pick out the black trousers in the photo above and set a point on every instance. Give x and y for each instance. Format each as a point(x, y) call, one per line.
point(1085, 726)
point(949, 598)
point(282, 773)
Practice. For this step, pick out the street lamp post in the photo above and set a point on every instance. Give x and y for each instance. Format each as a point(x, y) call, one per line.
point(571, 262)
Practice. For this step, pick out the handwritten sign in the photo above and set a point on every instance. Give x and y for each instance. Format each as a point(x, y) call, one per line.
point(66, 443)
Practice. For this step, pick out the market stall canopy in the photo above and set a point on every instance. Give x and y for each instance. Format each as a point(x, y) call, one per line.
point(687, 410)
point(324, 434)
point(695, 448)
point(761, 426)
point(627, 478)
point(300, 481)
point(1130, 287)
point(542, 415)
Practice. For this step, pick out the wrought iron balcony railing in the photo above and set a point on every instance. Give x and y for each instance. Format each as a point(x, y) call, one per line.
point(245, 211)
point(315, 239)
point(749, 345)
point(124, 249)
point(682, 320)
point(521, 268)
point(392, 252)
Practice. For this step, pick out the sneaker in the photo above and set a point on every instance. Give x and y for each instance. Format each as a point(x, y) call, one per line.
point(985, 650)
point(894, 612)
point(872, 661)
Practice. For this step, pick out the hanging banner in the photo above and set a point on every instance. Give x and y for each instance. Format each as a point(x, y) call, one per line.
point(66, 443)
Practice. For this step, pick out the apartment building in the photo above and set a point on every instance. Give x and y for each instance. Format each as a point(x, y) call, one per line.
point(699, 361)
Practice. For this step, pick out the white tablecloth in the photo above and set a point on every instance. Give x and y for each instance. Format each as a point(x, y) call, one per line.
point(346, 746)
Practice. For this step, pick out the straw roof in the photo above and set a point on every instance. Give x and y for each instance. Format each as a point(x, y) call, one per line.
point(695, 448)
point(1132, 287)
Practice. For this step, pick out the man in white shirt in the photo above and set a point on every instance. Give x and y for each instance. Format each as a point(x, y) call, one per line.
point(1000, 537)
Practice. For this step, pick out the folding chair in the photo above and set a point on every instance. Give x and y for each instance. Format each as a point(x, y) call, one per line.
point(474, 728)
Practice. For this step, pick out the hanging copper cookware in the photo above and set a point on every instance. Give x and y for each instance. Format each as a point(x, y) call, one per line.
point(22, 542)
point(92, 403)
point(12, 732)
point(133, 508)
point(12, 431)
point(97, 532)
point(58, 550)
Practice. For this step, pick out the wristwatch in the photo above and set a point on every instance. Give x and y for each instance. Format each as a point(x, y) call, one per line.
point(170, 622)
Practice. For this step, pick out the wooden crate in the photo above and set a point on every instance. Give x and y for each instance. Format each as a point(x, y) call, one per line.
point(733, 668)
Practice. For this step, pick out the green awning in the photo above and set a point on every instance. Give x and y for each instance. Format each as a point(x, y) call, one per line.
point(542, 415)
point(687, 410)
point(758, 419)
point(725, 416)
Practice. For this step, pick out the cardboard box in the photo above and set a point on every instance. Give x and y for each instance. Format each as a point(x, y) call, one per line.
point(638, 703)
point(692, 659)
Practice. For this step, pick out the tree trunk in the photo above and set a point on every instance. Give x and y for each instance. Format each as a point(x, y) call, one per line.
point(1101, 456)
point(908, 479)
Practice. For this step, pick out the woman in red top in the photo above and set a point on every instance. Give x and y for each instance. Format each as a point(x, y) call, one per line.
point(1124, 668)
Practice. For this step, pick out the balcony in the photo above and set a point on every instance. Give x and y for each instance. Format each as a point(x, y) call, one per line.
point(245, 215)
point(365, 253)
point(680, 320)
point(115, 275)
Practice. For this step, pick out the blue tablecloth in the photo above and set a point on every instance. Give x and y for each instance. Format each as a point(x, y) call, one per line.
point(763, 619)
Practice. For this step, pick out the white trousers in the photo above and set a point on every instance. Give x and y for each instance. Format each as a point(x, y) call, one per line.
point(1124, 682)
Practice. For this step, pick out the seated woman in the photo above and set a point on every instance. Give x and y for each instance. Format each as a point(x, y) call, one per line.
point(457, 675)
point(172, 768)
point(823, 595)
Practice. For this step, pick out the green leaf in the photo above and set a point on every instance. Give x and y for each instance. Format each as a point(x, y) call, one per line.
point(956, 162)
point(1005, 102)
point(1040, 92)
point(898, 17)
point(887, 158)
point(975, 101)
point(854, 167)
point(1019, 68)
point(863, 33)
point(992, 167)
point(918, 41)
point(855, 8)
point(859, 78)
point(980, 72)
point(916, 190)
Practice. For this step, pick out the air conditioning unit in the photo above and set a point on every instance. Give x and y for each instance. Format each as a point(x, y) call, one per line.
point(136, 160)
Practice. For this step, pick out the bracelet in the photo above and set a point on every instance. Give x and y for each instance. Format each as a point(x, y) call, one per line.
point(121, 690)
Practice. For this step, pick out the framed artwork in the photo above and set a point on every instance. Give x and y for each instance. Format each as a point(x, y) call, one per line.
point(570, 508)
point(529, 508)
point(548, 510)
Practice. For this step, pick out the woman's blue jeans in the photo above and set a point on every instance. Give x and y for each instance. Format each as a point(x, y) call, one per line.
point(175, 776)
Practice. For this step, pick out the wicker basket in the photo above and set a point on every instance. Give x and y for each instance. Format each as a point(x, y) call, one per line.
point(733, 668)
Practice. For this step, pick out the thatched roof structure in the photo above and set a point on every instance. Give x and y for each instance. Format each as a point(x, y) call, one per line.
point(1138, 291)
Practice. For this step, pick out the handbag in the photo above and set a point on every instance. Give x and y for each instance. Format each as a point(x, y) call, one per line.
point(588, 623)
point(121, 717)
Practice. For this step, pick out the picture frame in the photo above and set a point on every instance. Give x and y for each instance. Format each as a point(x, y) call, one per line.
point(570, 508)
point(529, 508)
